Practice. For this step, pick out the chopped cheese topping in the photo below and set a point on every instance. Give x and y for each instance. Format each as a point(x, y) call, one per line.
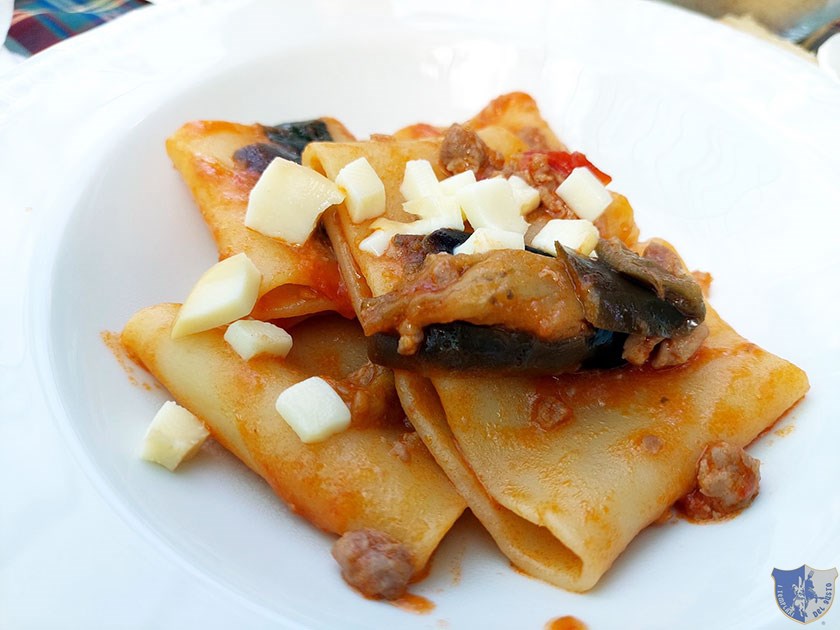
point(419, 227)
point(251, 337)
point(487, 239)
point(288, 199)
point(364, 191)
point(313, 410)
point(577, 234)
point(584, 194)
point(443, 209)
point(226, 292)
point(174, 436)
point(490, 203)
point(377, 243)
point(526, 196)
point(451, 185)
point(419, 180)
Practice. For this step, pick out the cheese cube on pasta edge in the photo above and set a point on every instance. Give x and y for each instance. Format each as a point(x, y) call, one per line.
point(287, 201)
point(174, 436)
point(226, 292)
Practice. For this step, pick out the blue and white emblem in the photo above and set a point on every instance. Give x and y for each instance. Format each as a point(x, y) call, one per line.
point(804, 594)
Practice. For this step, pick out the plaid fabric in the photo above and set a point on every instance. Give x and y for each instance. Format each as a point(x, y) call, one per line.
point(38, 24)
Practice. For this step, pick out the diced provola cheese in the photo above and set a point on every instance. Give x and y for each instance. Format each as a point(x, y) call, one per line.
point(419, 227)
point(444, 209)
point(365, 192)
point(584, 194)
point(250, 338)
point(226, 292)
point(313, 410)
point(490, 203)
point(287, 200)
point(526, 196)
point(174, 436)
point(451, 185)
point(377, 243)
point(419, 180)
point(578, 234)
point(488, 239)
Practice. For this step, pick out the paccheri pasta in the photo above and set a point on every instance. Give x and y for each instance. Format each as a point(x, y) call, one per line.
point(564, 395)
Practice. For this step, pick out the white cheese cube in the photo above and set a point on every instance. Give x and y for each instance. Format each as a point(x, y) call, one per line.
point(313, 410)
point(251, 337)
point(419, 180)
point(526, 196)
point(490, 203)
point(452, 185)
point(226, 292)
point(584, 194)
point(419, 227)
point(445, 209)
point(364, 191)
point(377, 243)
point(287, 200)
point(577, 234)
point(487, 239)
point(174, 436)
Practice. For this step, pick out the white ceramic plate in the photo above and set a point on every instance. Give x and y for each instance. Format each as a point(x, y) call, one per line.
point(724, 145)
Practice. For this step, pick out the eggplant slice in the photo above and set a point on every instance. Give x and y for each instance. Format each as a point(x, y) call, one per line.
point(677, 287)
point(287, 141)
point(612, 304)
point(468, 347)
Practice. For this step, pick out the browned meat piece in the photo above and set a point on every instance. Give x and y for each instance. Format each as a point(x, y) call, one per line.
point(727, 482)
point(665, 352)
point(462, 150)
point(511, 288)
point(638, 348)
point(370, 394)
point(659, 252)
point(535, 169)
point(677, 350)
point(374, 563)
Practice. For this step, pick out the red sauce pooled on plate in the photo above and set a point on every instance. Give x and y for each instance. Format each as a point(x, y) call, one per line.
point(414, 603)
point(565, 623)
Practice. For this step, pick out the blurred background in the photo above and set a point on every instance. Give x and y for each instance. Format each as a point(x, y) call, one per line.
point(38, 24)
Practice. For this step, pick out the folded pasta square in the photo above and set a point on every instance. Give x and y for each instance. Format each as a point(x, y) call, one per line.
point(374, 475)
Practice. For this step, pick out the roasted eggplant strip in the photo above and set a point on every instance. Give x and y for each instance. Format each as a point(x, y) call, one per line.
point(513, 289)
point(612, 302)
point(467, 347)
point(678, 289)
point(288, 140)
point(512, 311)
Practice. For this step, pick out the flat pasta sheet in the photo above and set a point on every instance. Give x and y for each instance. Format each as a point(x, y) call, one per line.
point(564, 471)
point(373, 475)
point(296, 281)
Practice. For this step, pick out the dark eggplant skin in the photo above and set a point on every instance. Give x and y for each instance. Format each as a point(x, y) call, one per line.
point(287, 141)
point(465, 347)
point(678, 289)
point(256, 157)
point(296, 135)
point(612, 302)
point(444, 240)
